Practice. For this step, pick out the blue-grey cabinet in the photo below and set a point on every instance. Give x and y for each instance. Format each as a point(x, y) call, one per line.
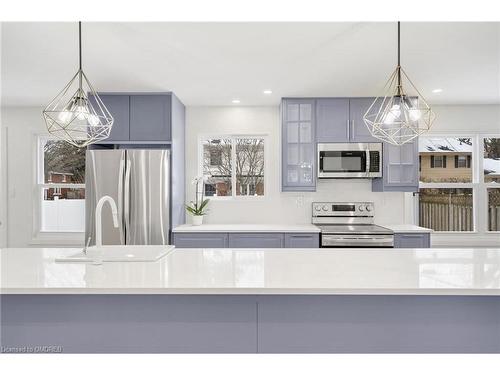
point(332, 120)
point(200, 240)
point(358, 131)
point(400, 168)
point(140, 118)
point(245, 240)
point(150, 117)
point(298, 145)
point(256, 240)
point(301, 240)
point(119, 107)
point(341, 120)
point(412, 240)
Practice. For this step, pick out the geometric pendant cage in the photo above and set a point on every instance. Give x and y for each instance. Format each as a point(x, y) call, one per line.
point(401, 113)
point(77, 114)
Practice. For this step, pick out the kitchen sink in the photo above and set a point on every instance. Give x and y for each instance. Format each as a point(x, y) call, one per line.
point(117, 253)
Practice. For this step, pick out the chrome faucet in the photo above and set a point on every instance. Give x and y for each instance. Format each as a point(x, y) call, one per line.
point(98, 214)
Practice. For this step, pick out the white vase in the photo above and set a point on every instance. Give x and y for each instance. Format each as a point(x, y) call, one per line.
point(197, 219)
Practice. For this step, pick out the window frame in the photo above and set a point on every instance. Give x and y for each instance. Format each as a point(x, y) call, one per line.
point(233, 138)
point(478, 185)
point(40, 236)
point(486, 185)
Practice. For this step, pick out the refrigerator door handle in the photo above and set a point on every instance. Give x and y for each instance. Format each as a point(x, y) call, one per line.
point(164, 190)
point(120, 200)
point(126, 202)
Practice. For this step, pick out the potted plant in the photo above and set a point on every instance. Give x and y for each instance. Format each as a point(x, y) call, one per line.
point(198, 207)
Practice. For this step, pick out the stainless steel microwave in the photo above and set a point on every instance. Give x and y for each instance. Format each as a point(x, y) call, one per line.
point(349, 160)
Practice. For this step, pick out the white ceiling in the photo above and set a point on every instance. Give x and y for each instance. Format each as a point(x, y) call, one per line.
point(213, 63)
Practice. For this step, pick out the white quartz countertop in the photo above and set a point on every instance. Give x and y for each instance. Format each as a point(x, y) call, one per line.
point(406, 228)
point(282, 228)
point(260, 271)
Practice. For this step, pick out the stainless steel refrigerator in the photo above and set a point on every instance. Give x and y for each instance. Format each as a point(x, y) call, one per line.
point(139, 182)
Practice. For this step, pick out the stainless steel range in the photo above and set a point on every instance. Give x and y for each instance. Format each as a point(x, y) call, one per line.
point(349, 224)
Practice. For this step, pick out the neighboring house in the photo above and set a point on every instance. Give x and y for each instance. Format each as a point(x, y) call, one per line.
point(62, 192)
point(445, 160)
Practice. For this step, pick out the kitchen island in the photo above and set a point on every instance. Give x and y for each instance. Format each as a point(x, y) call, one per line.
point(255, 300)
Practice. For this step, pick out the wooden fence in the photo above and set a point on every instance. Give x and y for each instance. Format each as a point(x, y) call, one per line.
point(446, 212)
point(450, 212)
point(494, 209)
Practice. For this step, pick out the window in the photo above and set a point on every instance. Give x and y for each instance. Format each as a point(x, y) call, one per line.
point(491, 159)
point(60, 199)
point(438, 161)
point(454, 196)
point(233, 166)
point(462, 161)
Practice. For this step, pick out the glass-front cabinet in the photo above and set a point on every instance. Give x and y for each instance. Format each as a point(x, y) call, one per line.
point(298, 145)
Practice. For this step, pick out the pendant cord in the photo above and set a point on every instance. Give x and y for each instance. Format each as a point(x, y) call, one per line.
point(399, 43)
point(399, 58)
point(80, 43)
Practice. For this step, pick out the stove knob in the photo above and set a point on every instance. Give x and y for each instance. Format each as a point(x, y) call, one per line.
point(361, 208)
point(368, 208)
point(325, 208)
point(317, 208)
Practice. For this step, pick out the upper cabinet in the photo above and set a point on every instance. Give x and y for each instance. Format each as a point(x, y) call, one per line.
point(341, 120)
point(332, 120)
point(358, 131)
point(150, 117)
point(400, 169)
point(139, 118)
point(298, 145)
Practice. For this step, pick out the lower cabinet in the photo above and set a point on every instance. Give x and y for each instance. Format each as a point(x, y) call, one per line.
point(245, 240)
point(200, 240)
point(256, 240)
point(412, 240)
point(301, 240)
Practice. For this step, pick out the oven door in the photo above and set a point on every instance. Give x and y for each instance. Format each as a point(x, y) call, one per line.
point(357, 240)
point(343, 161)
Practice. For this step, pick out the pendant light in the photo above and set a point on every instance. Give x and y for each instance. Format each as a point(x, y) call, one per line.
point(77, 115)
point(401, 113)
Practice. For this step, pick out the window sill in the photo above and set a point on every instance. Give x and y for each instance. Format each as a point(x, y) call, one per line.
point(58, 239)
point(465, 239)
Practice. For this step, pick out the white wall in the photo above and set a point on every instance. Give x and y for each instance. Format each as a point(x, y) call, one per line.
point(470, 119)
point(276, 207)
point(21, 125)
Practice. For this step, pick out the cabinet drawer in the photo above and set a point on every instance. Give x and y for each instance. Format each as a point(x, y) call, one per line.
point(256, 240)
point(200, 240)
point(298, 240)
point(412, 240)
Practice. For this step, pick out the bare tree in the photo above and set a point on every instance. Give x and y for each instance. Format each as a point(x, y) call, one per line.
point(249, 162)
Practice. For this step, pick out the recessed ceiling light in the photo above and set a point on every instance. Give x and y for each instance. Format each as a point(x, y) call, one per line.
point(267, 92)
point(437, 91)
point(235, 101)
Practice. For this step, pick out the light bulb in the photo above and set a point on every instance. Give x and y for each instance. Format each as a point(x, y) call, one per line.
point(82, 112)
point(393, 114)
point(64, 116)
point(93, 120)
point(414, 114)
